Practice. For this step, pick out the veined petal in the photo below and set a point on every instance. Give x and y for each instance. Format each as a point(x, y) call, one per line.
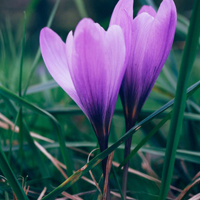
point(122, 5)
point(152, 41)
point(95, 57)
point(123, 16)
point(148, 9)
point(160, 40)
point(86, 64)
point(131, 88)
point(54, 55)
point(116, 55)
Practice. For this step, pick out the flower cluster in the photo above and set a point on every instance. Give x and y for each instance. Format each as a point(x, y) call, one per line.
point(94, 65)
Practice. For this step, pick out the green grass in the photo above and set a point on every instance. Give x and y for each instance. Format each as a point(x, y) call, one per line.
point(52, 137)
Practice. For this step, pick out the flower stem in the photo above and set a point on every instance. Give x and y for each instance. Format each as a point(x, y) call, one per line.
point(106, 192)
point(106, 170)
point(125, 169)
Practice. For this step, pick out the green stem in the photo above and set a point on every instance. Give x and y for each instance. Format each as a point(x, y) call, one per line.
point(125, 169)
point(130, 122)
point(104, 145)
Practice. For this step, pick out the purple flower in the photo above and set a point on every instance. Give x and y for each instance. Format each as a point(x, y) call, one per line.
point(90, 68)
point(148, 44)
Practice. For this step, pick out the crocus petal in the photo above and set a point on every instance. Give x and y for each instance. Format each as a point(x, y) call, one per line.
point(131, 90)
point(123, 16)
point(148, 9)
point(122, 5)
point(96, 67)
point(54, 55)
point(152, 41)
point(160, 40)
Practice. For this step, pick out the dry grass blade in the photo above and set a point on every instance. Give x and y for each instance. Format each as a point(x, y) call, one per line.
point(26, 189)
point(196, 176)
point(10, 125)
point(50, 157)
point(146, 166)
point(95, 182)
point(57, 164)
point(195, 197)
point(113, 193)
point(138, 173)
point(88, 180)
point(118, 195)
point(195, 181)
point(70, 196)
point(42, 193)
point(83, 177)
point(37, 136)
point(79, 150)
point(91, 182)
point(108, 167)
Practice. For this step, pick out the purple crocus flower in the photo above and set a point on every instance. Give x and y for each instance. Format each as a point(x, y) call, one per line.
point(148, 44)
point(90, 68)
point(148, 47)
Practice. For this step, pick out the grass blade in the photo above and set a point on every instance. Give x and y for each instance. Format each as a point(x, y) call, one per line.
point(116, 180)
point(21, 138)
point(11, 39)
point(22, 57)
point(81, 8)
point(3, 54)
point(190, 156)
point(42, 87)
point(38, 54)
point(188, 58)
point(8, 173)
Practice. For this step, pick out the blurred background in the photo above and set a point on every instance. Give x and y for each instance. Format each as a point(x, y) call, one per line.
point(67, 16)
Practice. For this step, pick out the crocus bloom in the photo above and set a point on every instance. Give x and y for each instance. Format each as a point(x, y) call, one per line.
point(148, 47)
point(90, 68)
point(148, 44)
